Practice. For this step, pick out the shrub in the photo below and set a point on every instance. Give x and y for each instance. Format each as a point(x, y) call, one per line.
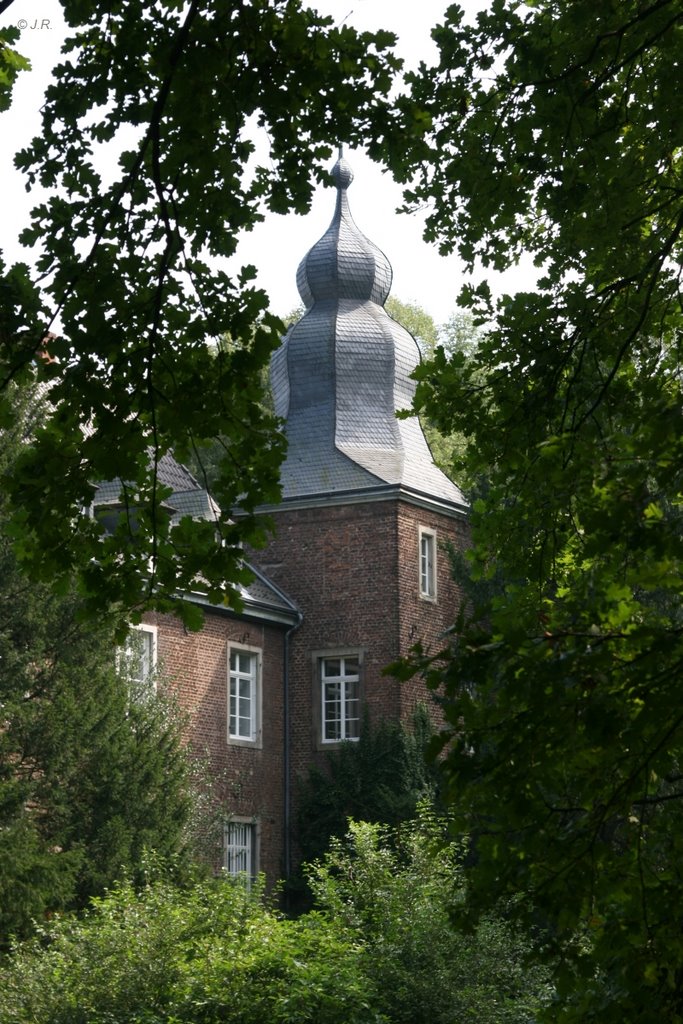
point(397, 890)
point(211, 953)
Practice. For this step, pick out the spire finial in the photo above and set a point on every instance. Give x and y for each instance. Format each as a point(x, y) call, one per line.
point(341, 172)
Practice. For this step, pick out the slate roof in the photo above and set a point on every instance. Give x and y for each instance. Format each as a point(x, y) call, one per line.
point(261, 593)
point(173, 474)
point(343, 371)
point(189, 498)
point(261, 597)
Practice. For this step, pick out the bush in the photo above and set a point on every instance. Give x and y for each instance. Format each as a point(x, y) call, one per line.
point(212, 953)
point(396, 891)
point(381, 778)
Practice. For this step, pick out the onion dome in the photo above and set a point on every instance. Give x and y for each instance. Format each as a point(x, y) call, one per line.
point(344, 264)
point(343, 372)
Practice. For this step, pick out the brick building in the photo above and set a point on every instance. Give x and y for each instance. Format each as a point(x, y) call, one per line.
point(355, 573)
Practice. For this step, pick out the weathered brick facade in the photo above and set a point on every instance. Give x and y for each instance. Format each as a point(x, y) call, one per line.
point(420, 619)
point(247, 781)
point(353, 571)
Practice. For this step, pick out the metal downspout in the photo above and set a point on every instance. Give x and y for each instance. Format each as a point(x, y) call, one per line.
point(286, 766)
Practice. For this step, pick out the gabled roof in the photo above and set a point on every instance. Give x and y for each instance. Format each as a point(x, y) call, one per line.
point(343, 372)
point(262, 599)
point(188, 497)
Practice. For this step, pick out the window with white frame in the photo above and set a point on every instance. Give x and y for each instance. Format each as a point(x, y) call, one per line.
point(340, 698)
point(244, 695)
point(240, 857)
point(427, 563)
point(137, 659)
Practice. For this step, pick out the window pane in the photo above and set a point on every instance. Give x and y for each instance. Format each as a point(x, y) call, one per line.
point(333, 730)
point(146, 655)
point(332, 698)
point(351, 711)
point(427, 565)
point(332, 711)
point(340, 689)
point(243, 695)
point(352, 729)
point(137, 657)
point(350, 666)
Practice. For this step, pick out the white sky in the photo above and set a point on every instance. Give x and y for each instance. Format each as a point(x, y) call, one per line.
point(276, 246)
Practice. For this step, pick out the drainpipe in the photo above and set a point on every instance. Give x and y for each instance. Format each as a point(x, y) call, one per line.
point(286, 766)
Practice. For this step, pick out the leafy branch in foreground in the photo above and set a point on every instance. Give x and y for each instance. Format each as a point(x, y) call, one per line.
point(457, 338)
point(549, 129)
point(11, 63)
point(132, 268)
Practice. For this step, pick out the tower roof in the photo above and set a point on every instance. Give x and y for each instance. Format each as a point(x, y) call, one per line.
point(343, 371)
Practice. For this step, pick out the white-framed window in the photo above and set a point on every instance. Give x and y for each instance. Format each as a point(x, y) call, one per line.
point(340, 697)
point(137, 658)
point(244, 695)
point(427, 563)
point(240, 850)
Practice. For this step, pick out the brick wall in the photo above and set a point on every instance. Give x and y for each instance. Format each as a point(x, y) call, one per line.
point(421, 619)
point(353, 570)
point(245, 781)
point(339, 564)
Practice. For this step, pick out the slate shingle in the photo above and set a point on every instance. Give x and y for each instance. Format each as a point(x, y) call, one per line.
point(343, 371)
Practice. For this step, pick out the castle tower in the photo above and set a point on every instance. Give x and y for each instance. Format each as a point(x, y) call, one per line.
point(366, 515)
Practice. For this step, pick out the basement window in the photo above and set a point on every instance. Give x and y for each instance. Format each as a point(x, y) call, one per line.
point(240, 851)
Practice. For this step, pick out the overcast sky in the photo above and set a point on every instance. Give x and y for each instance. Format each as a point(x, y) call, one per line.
point(277, 246)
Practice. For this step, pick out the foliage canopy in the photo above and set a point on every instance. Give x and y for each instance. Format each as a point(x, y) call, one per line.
point(380, 779)
point(458, 335)
point(398, 888)
point(91, 775)
point(549, 128)
point(131, 271)
point(211, 953)
point(379, 951)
